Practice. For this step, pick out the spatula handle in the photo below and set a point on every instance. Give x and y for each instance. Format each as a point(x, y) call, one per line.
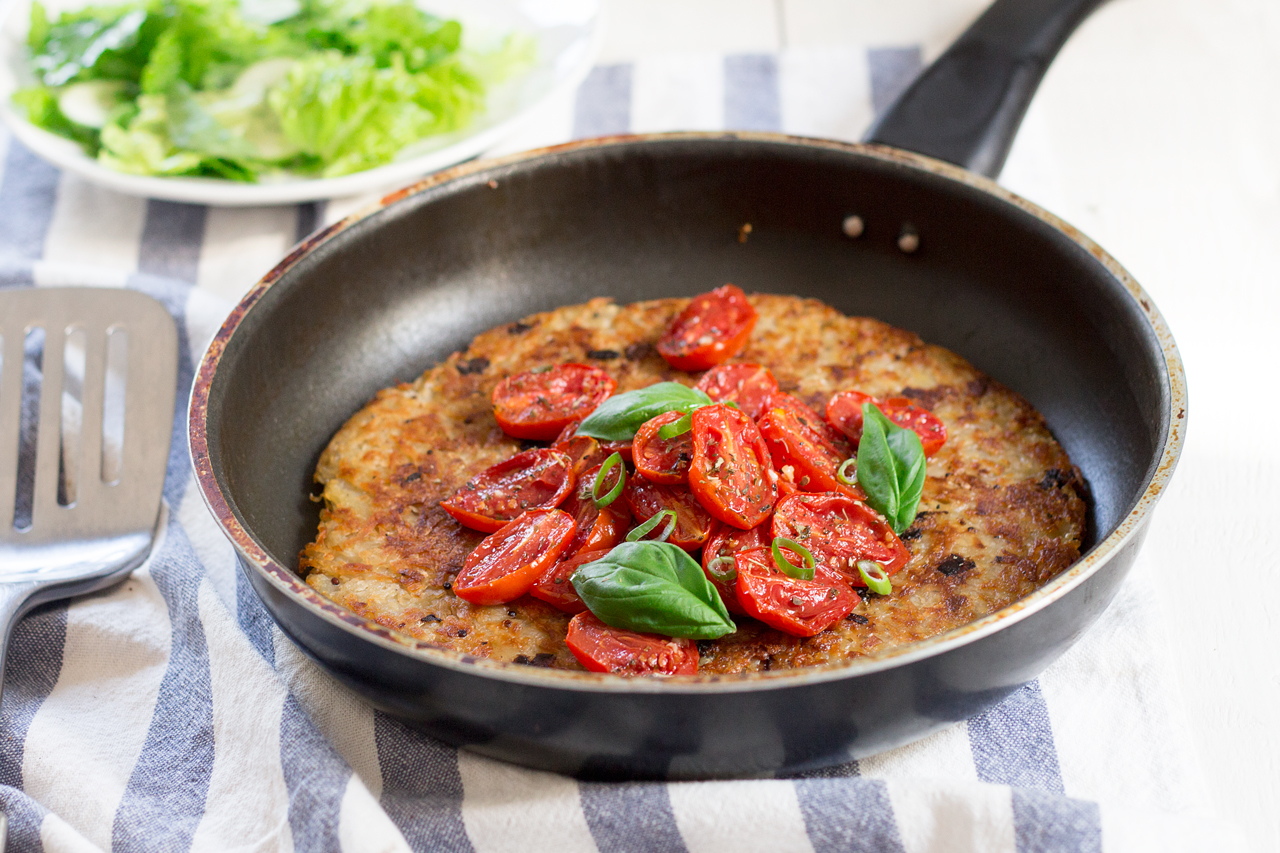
point(966, 107)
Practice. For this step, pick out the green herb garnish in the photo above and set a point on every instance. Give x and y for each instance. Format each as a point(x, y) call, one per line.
point(618, 417)
point(642, 530)
point(804, 571)
point(602, 501)
point(653, 587)
point(723, 568)
point(678, 427)
point(875, 577)
point(891, 468)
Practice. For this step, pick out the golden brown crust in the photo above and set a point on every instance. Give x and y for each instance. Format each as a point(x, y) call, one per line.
point(1001, 513)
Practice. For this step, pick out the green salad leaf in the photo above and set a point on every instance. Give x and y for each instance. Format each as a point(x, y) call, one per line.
point(193, 127)
point(312, 87)
point(94, 43)
point(41, 106)
point(352, 115)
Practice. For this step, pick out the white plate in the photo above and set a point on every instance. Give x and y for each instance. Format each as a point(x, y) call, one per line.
point(567, 34)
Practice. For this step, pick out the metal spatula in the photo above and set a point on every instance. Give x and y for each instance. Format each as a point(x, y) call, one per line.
point(87, 381)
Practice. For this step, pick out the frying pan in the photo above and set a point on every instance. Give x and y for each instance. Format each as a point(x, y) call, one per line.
point(379, 297)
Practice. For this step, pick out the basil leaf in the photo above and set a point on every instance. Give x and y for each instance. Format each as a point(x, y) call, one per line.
point(666, 432)
point(891, 468)
point(619, 416)
point(655, 588)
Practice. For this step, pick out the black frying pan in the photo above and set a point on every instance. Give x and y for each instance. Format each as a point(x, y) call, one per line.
point(379, 297)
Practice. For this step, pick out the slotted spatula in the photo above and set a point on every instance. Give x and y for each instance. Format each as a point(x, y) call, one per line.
point(87, 383)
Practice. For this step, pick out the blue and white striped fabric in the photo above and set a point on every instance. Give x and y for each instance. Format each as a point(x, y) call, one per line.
point(170, 714)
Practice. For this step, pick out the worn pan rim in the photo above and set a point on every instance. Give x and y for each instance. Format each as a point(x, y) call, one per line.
point(290, 583)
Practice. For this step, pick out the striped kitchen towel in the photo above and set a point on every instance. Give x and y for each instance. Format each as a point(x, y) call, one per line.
point(170, 714)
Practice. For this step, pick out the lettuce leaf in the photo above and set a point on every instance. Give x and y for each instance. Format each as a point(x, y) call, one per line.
point(141, 146)
point(40, 103)
point(365, 79)
point(192, 127)
point(349, 113)
point(93, 43)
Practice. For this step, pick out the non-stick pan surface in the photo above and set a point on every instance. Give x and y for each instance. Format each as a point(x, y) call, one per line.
point(378, 298)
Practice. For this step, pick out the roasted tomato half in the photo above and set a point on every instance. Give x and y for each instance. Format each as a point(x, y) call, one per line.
point(646, 499)
point(831, 437)
point(605, 649)
point(731, 466)
point(539, 404)
point(748, 385)
point(596, 528)
point(801, 453)
point(553, 586)
point(565, 441)
point(717, 557)
point(839, 531)
point(798, 607)
point(533, 479)
point(662, 460)
point(713, 328)
point(584, 452)
point(844, 411)
point(506, 564)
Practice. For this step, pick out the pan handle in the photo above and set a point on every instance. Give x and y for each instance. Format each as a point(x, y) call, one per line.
point(965, 108)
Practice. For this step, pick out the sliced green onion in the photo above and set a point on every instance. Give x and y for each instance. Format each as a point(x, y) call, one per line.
point(543, 369)
point(723, 575)
point(875, 577)
point(642, 530)
point(602, 477)
point(666, 432)
point(802, 572)
point(844, 474)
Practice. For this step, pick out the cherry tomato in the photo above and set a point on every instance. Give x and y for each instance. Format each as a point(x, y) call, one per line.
point(662, 460)
point(506, 564)
point(622, 448)
point(530, 480)
point(786, 485)
point(840, 531)
point(798, 607)
point(567, 435)
point(730, 464)
point(646, 499)
point(713, 328)
point(831, 436)
point(553, 586)
point(748, 385)
point(538, 405)
point(596, 528)
point(725, 541)
point(802, 454)
point(844, 411)
point(583, 451)
point(605, 649)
